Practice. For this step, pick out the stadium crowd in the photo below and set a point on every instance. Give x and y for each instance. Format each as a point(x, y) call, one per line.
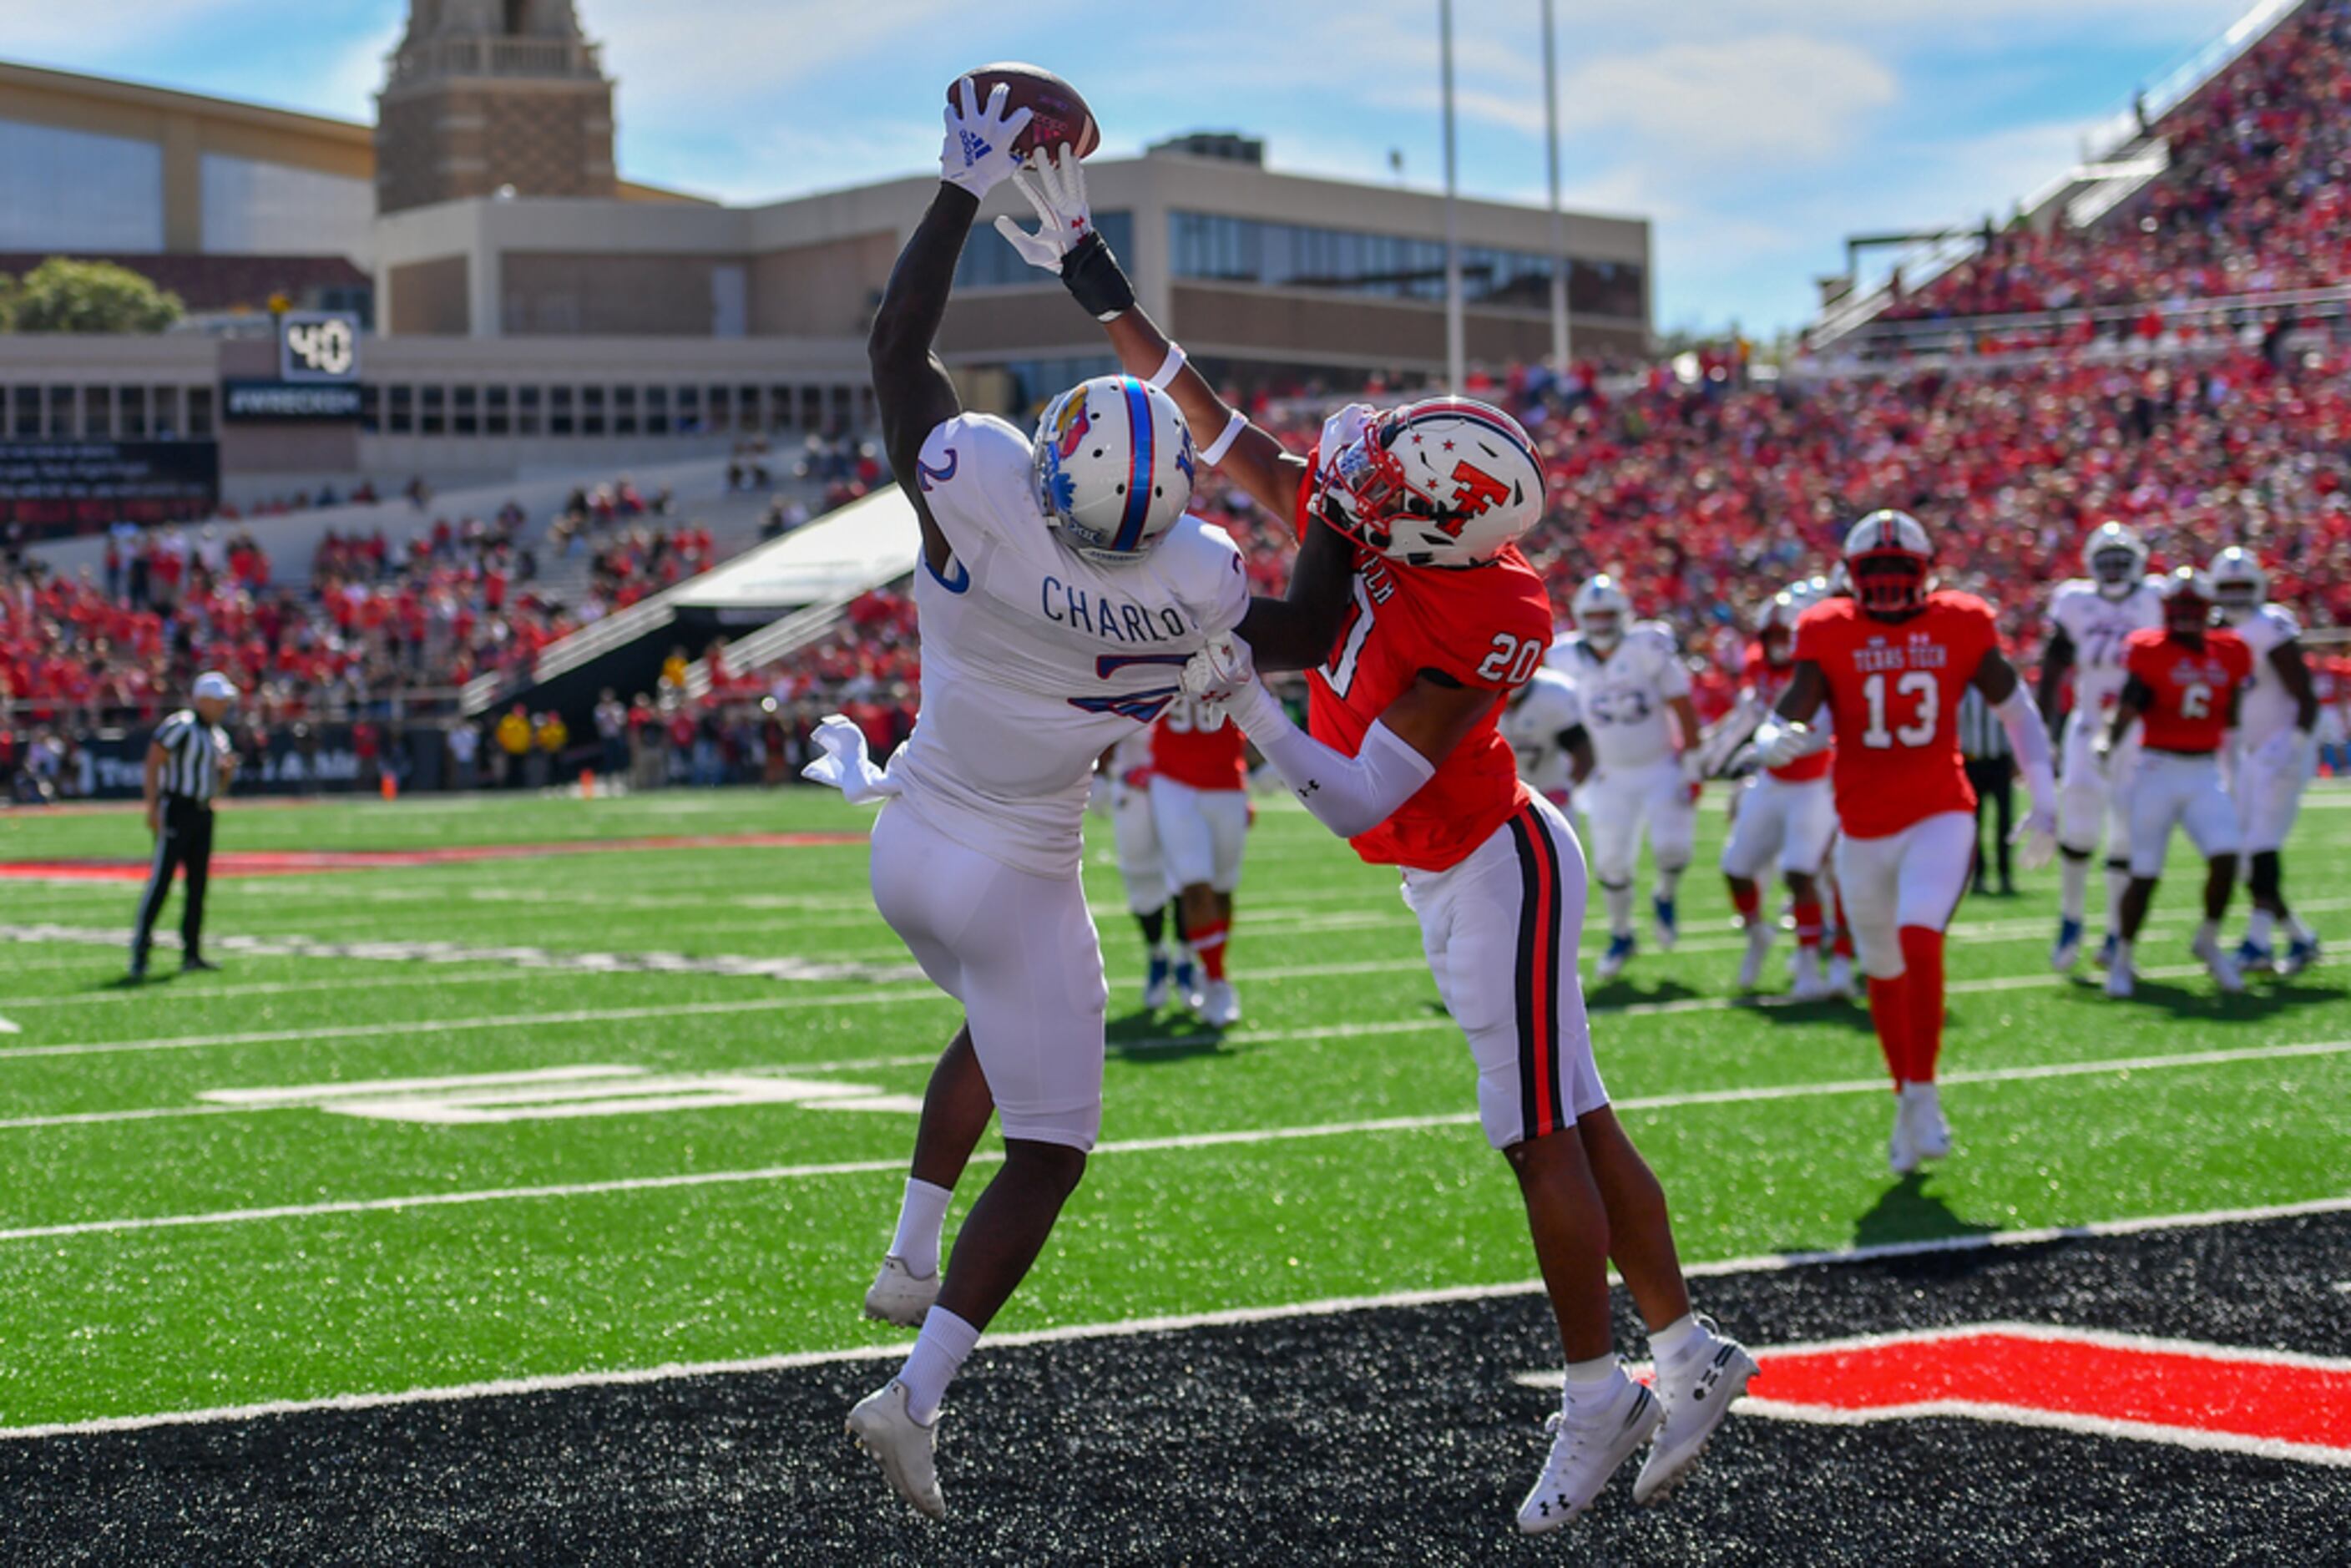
point(2253, 202)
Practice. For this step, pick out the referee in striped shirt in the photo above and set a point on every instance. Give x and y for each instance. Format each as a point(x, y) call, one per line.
point(1991, 772)
point(188, 763)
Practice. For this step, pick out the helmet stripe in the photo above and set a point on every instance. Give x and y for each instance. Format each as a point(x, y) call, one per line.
point(1461, 408)
point(1138, 466)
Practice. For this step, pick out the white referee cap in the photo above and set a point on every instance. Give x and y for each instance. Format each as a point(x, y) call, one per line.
point(212, 684)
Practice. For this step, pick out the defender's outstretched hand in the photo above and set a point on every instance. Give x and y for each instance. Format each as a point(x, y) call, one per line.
point(1055, 184)
point(2036, 837)
point(1221, 669)
point(978, 155)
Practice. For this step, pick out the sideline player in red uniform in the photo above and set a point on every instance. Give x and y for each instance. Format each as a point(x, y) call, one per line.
point(2185, 683)
point(1892, 662)
point(1444, 617)
point(1199, 803)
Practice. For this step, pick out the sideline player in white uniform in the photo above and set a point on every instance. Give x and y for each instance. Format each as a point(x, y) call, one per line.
point(1123, 793)
point(1780, 815)
point(1061, 589)
point(1544, 725)
point(2276, 752)
point(1629, 677)
point(2089, 618)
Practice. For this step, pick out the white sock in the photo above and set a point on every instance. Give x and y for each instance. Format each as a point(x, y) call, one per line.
point(2072, 887)
point(1670, 882)
point(1619, 900)
point(2257, 929)
point(2208, 931)
point(2118, 881)
point(938, 1354)
point(1678, 1337)
point(921, 1214)
point(2123, 946)
point(1592, 1384)
point(2303, 930)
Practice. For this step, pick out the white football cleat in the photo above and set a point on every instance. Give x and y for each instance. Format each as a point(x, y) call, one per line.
point(1901, 1147)
point(1221, 1005)
point(1841, 977)
point(901, 1296)
point(1930, 1134)
point(1612, 962)
point(2216, 959)
point(1759, 944)
point(1697, 1389)
point(1585, 1452)
point(2120, 980)
point(905, 1448)
point(1155, 993)
point(2066, 951)
point(1810, 984)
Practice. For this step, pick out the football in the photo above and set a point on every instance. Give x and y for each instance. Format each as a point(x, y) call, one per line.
point(1061, 116)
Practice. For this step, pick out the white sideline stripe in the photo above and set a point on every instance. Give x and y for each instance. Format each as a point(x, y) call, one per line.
point(1230, 1138)
point(1174, 1324)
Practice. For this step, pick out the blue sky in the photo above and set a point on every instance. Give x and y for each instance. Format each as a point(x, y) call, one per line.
point(1755, 133)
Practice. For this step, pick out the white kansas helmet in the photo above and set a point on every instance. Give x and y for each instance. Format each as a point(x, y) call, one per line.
point(1805, 594)
point(1775, 628)
point(2115, 558)
point(2238, 583)
point(1449, 481)
point(1113, 467)
point(1886, 555)
point(1600, 609)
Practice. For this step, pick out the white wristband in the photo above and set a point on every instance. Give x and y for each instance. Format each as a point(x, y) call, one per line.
point(1168, 367)
point(1214, 453)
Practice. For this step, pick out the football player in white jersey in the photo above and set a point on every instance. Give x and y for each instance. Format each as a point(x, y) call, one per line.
point(2276, 752)
point(1061, 590)
point(1544, 725)
point(2089, 617)
point(1635, 694)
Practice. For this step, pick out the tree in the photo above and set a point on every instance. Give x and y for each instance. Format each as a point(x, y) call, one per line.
point(63, 295)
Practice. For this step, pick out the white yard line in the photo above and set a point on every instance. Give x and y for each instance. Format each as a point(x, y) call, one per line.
point(1125, 1328)
point(1237, 1137)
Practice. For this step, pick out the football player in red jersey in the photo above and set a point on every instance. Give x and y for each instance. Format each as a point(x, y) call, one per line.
point(2184, 684)
point(1785, 814)
point(1892, 662)
point(1199, 803)
point(1442, 619)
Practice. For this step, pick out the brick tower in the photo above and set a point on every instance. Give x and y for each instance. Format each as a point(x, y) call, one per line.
point(489, 93)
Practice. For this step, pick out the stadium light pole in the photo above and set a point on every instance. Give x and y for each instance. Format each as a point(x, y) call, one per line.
point(1559, 263)
point(1456, 349)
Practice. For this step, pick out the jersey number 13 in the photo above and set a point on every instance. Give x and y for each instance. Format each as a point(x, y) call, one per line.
point(1920, 730)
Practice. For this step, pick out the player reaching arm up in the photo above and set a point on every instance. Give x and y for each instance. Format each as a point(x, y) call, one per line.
point(1061, 589)
point(1403, 758)
point(1891, 663)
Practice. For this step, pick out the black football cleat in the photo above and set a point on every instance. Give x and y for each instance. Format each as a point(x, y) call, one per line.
point(197, 964)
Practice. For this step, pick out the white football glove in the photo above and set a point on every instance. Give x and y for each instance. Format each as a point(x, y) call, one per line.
point(1055, 184)
point(1220, 670)
point(1340, 432)
point(2036, 837)
point(1777, 744)
point(977, 152)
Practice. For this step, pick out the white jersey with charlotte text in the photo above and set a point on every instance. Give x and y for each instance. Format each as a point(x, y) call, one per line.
point(1624, 694)
point(1036, 660)
point(2096, 626)
point(2267, 707)
point(1532, 721)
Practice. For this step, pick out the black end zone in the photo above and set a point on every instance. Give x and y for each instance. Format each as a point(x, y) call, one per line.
point(1396, 1436)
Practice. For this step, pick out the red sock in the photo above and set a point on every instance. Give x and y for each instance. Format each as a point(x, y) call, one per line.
point(1922, 962)
point(1808, 923)
point(1208, 942)
point(1748, 900)
point(1844, 948)
point(1889, 1010)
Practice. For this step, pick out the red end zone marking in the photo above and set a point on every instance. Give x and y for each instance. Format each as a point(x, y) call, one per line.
point(296, 862)
point(2176, 1391)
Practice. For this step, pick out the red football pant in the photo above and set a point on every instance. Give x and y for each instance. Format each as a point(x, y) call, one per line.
point(1209, 944)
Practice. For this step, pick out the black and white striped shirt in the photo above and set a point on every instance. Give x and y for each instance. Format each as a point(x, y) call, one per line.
point(1982, 737)
point(193, 753)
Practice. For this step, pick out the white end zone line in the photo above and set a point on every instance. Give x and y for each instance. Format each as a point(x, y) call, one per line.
point(1173, 1323)
point(1241, 1136)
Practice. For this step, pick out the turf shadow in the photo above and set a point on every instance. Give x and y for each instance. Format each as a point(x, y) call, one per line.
point(1621, 991)
point(1906, 1211)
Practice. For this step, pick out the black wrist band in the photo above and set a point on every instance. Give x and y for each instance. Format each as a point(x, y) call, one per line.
point(1091, 273)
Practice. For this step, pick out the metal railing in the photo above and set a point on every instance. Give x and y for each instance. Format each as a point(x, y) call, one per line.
point(776, 640)
point(1967, 334)
point(489, 57)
